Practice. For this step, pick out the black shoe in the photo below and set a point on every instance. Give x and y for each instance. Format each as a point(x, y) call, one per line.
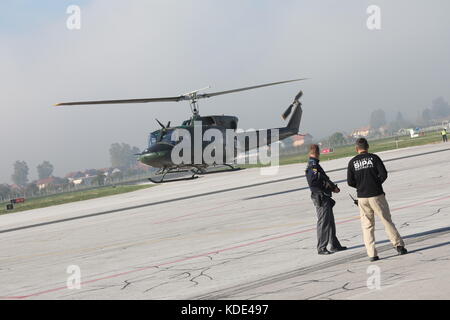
point(341, 248)
point(373, 259)
point(324, 251)
point(401, 250)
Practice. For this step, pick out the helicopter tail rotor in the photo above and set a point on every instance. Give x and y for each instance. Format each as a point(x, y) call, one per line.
point(287, 112)
point(294, 121)
point(296, 102)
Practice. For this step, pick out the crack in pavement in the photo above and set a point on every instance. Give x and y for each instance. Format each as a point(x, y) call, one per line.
point(202, 274)
point(199, 195)
point(232, 291)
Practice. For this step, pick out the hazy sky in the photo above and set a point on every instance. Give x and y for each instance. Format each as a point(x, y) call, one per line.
point(149, 48)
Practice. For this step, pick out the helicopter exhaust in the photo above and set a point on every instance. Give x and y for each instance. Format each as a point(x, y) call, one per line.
point(159, 122)
point(163, 126)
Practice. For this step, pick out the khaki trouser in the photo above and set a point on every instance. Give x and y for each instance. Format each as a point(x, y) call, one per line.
point(378, 205)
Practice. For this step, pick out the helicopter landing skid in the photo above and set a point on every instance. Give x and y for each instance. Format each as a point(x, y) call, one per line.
point(231, 168)
point(192, 177)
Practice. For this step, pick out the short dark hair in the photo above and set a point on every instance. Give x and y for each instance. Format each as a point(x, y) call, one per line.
point(362, 144)
point(314, 149)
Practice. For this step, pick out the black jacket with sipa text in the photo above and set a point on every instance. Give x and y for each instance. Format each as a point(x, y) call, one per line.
point(366, 172)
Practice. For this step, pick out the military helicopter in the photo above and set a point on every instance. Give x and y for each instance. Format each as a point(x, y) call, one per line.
point(161, 143)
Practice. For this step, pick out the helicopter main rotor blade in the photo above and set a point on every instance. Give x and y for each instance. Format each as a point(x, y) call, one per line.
point(213, 94)
point(145, 100)
point(192, 96)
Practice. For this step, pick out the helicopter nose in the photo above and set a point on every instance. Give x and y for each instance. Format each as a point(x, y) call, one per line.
point(153, 159)
point(157, 156)
point(148, 157)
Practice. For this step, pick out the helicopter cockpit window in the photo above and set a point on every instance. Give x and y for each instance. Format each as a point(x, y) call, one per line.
point(167, 137)
point(152, 139)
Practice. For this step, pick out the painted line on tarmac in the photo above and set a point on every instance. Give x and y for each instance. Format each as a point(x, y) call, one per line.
point(194, 196)
point(278, 277)
point(116, 245)
point(233, 291)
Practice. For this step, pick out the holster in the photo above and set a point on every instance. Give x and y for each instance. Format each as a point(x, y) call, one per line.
point(317, 199)
point(320, 198)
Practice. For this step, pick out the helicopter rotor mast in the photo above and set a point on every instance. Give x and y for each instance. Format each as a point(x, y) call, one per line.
point(193, 102)
point(192, 97)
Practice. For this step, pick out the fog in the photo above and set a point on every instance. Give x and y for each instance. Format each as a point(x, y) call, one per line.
point(142, 48)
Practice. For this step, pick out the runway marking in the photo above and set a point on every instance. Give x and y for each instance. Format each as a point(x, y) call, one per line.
point(151, 241)
point(198, 195)
point(209, 253)
point(175, 219)
point(227, 292)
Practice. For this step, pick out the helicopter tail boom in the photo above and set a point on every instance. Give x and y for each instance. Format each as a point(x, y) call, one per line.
point(294, 111)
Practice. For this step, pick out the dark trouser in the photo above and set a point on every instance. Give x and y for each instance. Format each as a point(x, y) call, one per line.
point(326, 227)
point(444, 138)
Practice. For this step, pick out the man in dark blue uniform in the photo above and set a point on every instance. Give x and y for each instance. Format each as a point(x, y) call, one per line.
point(321, 189)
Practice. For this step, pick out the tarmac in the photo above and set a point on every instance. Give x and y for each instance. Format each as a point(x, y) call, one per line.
point(235, 235)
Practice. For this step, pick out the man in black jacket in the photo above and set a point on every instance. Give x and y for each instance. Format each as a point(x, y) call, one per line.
point(366, 172)
point(321, 188)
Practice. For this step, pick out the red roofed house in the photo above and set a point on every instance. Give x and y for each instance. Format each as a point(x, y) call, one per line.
point(361, 132)
point(301, 139)
point(44, 183)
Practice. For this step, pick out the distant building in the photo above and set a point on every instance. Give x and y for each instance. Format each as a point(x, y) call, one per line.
point(16, 187)
point(74, 175)
point(44, 183)
point(300, 140)
point(115, 171)
point(362, 132)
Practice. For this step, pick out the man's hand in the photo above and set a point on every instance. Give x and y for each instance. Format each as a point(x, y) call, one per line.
point(336, 190)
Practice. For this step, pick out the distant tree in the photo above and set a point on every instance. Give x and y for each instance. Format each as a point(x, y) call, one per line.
point(122, 155)
point(377, 119)
point(20, 175)
point(117, 176)
point(134, 151)
point(336, 139)
point(440, 108)
point(132, 172)
point(45, 170)
point(426, 116)
point(399, 123)
point(5, 191)
point(118, 158)
point(99, 180)
point(31, 190)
